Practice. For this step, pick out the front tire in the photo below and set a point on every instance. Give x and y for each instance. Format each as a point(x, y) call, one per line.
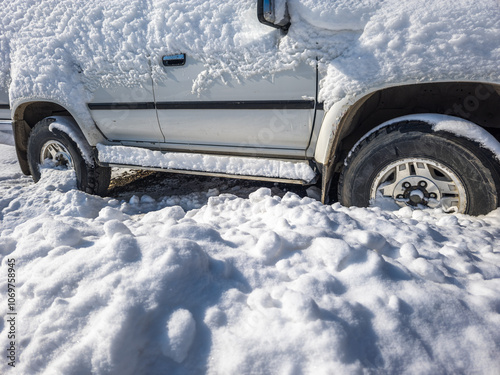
point(63, 153)
point(411, 165)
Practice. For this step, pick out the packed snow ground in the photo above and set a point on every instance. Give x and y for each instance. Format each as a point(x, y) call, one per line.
point(257, 285)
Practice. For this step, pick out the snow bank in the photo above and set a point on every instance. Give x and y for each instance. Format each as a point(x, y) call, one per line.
point(257, 285)
point(65, 49)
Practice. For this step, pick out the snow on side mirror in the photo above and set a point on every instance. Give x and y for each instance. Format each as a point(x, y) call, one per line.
point(273, 13)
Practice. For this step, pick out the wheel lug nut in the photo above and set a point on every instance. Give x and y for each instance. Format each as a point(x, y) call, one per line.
point(406, 185)
point(400, 196)
point(422, 183)
point(433, 195)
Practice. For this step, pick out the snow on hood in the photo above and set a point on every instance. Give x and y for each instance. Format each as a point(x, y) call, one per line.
point(257, 285)
point(67, 48)
point(408, 42)
point(335, 15)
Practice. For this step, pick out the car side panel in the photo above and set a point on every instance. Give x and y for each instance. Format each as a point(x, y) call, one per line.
point(126, 113)
point(273, 112)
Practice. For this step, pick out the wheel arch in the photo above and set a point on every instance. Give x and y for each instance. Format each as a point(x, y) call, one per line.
point(350, 119)
point(60, 139)
point(26, 114)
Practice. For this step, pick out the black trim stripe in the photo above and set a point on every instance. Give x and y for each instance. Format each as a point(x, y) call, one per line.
point(4, 106)
point(117, 106)
point(253, 104)
point(204, 105)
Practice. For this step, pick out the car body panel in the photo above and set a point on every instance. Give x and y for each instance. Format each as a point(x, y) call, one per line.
point(126, 113)
point(271, 112)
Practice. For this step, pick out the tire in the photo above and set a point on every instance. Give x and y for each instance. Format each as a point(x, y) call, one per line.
point(58, 146)
point(409, 164)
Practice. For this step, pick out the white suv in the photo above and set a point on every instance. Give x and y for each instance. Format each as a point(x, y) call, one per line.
point(402, 139)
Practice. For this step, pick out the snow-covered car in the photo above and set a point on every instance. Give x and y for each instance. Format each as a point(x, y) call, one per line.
point(376, 102)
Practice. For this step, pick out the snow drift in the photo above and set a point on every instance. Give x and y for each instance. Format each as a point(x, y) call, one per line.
point(257, 285)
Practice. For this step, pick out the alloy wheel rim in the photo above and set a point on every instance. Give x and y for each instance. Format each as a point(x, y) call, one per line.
point(420, 183)
point(57, 153)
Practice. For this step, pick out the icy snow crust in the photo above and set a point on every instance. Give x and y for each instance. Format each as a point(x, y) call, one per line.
point(65, 49)
point(206, 163)
point(258, 285)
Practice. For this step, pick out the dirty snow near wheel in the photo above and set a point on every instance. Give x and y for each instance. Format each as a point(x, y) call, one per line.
point(258, 285)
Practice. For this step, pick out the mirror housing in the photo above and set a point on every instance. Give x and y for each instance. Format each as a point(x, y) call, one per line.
point(273, 13)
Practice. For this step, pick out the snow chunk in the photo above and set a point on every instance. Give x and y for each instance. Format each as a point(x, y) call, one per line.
point(370, 239)
point(331, 252)
point(299, 306)
point(408, 251)
point(114, 226)
point(147, 199)
point(427, 270)
point(448, 221)
point(110, 213)
point(268, 247)
point(259, 195)
point(54, 179)
point(61, 234)
point(215, 317)
point(261, 299)
point(179, 335)
point(123, 247)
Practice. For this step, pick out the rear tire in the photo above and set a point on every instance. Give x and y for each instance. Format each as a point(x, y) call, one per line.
point(55, 144)
point(410, 164)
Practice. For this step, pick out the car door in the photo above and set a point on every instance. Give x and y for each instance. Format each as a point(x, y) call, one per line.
point(127, 113)
point(261, 115)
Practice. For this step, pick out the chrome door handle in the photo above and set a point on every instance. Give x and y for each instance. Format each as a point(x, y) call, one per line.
point(174, 60)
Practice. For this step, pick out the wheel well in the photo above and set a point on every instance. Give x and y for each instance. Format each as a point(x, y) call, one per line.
point(472, 101)
point(33, 112)
point(26, 116)
point(476, 102)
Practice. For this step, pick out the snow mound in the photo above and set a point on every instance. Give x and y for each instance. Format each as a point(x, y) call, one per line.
point(181, 330)
point(264, 284)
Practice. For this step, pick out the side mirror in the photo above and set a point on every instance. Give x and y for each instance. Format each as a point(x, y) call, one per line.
point(273, 13)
